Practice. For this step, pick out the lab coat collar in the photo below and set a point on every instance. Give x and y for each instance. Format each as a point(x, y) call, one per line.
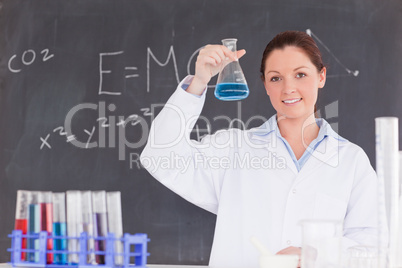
point(271, 126)
point(327, 152)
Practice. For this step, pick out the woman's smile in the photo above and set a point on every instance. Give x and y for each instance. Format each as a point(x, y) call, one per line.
point(290, 102)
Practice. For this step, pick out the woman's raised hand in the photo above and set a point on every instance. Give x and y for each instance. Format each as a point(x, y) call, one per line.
point(208, 64)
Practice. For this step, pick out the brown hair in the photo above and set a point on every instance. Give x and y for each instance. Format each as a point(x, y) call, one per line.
point(297, 39)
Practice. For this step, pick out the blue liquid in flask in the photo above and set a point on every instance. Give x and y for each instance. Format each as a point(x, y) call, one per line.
point(231, 91)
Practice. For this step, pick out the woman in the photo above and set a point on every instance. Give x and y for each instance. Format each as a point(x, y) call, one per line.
point(312, 173)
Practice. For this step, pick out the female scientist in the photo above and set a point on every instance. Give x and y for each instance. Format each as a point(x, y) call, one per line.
point(262, 182)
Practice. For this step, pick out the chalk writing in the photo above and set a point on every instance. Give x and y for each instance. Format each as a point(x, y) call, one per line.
point(112, 128)
point(131, 75)
point(90, 134)
point(170, 55)
point(45, 142)
point(146, 111)
point(349, 72)
point(103, 71)
point(28, 57)
point(102, 122)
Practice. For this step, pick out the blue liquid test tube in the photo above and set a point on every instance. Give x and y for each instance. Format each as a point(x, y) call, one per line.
point(33, 226)
point(59, 227)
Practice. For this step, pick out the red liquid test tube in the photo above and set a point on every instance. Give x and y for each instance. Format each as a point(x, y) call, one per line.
point(46, 220)
point(21, 217)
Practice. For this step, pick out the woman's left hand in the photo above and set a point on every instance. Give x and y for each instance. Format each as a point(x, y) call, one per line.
point(291, 251)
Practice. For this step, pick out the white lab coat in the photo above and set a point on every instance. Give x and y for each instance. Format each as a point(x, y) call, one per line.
point(248, 179)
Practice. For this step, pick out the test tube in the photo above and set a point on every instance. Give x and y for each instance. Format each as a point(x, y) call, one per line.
point(387, 168)
point(88, 226)
point(33, 227)
point(74, 224)
point(21, 217)
point(100, 223)
point(115, 223)
point(399, 247)
point(59, 227)
point(46, 219)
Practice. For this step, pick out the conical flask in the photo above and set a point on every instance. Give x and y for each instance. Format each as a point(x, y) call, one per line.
point(231, 84)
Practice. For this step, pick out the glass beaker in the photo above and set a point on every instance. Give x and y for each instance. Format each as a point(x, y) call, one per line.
point(321, 244)
point(231, 84)
point(362, 257)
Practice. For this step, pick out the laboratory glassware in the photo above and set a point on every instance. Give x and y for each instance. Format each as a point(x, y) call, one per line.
point(59, 227)
point(74, 224)
point(88, 224)
point(21, 217)
point(115, 222)
point(231, 84)
point(362, 256)
point(100, 223)
point(33, 226)
point(321, 244)
point(387, 168)
point(46, 219)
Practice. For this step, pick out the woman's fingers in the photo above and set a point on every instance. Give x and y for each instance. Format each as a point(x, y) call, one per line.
point(241, 53)
point(291, 251)
point(210, 60)
point(214, 52)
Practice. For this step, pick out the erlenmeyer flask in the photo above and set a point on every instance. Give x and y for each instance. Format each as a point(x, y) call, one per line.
point(231, 84)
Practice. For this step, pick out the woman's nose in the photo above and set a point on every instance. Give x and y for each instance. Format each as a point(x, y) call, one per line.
point(289, 87)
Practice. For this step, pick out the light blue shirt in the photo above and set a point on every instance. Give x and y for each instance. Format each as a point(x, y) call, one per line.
point(325, 131)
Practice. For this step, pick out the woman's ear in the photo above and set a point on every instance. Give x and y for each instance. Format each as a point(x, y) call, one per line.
point(322, 77)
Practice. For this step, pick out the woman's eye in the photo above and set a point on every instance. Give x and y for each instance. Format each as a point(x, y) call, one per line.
point(274, 79)
point(300, 75)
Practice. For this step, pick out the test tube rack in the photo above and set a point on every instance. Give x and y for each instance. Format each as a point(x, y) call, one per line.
point(138, 242)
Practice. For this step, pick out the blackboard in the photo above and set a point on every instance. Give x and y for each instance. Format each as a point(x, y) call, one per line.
point(79, 62)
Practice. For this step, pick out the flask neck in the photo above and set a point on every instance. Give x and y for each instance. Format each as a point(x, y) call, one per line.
point(230, 43)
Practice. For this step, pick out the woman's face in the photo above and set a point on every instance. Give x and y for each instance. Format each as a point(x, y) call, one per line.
point(292, 82)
